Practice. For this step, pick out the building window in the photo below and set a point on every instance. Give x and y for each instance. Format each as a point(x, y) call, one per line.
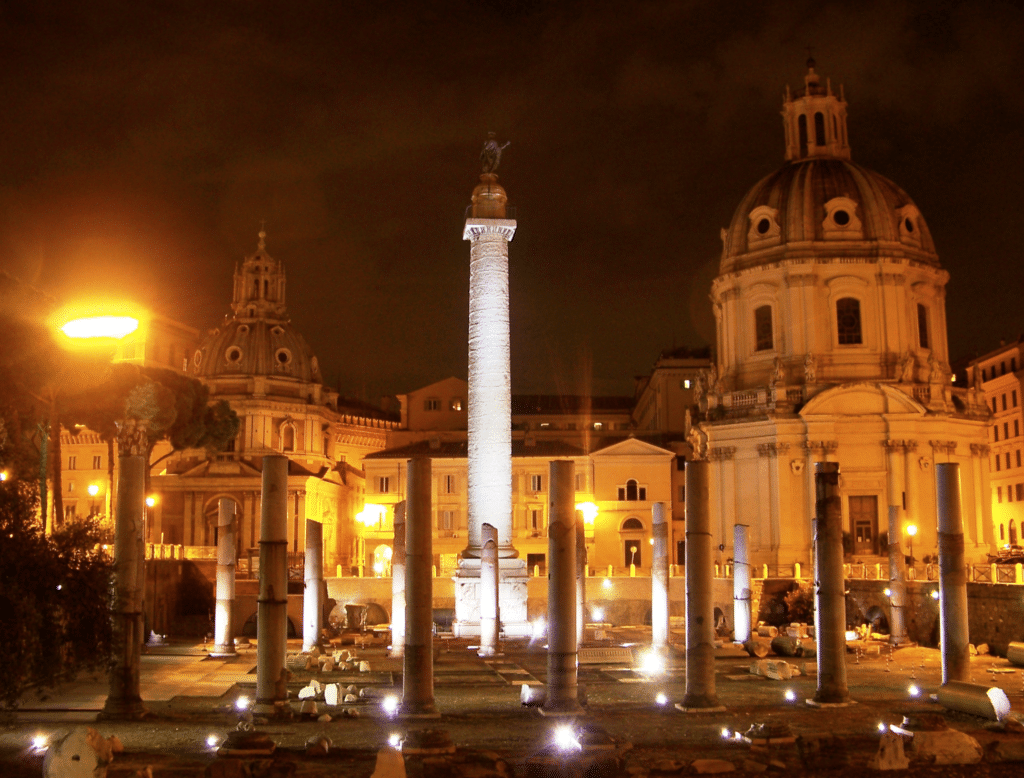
point(1009, 494)
point(598, 426)
point(1018, 457)
point(632, 525)
point(536, 520)
point(764, 340)
point(1006, 430)
point(999, 494)
point(449, 484)
point(819, 129)
point(682, 494)
point(686, 383)
point(72, 463)
point(1020, 492)
point(997, 462)
point(580, 482)
point(97, 462)
point(1004, 401)
point(995, 433)
point(447, 520)
point(632, 492)
point(1013, 398)
point(69, 512)
point(1007, 460)
point(922, 325)
point(71, 487)
point(1002, 532)
point(1016, 427)
point(455, 404)
point(995, 408)
point(384, 484)
point(432, 404)
point(848, 321)
point(287, 437)
point(536, 483)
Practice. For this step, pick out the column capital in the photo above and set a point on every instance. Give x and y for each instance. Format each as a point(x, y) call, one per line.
point(943, 446)
point(980, 449)
point(721, 453)
point(477, 228)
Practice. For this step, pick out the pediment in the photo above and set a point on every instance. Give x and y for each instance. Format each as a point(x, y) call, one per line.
point(862, 400)
point(632, 447)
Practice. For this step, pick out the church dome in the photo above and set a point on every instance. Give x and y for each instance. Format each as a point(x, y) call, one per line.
point(824, 199)
point(258, 339)
point(256, 347)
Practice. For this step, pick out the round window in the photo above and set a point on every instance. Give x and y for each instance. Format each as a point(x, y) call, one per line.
point(842, 218)
point(243, 329)
point(908, 224)
point(278, 330)
point(234, 355)
point(198, 358)
point(763, 226)
point(283, 356)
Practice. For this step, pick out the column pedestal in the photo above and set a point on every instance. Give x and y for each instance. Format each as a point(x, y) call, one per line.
point(512, 579)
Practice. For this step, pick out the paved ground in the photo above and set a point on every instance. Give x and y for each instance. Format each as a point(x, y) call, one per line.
point(191, 696)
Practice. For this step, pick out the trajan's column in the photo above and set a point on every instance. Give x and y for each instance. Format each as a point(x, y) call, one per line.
point(490, 407)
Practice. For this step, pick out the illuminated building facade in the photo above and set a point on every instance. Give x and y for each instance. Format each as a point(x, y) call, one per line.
point(998, 376)
point(831, 346)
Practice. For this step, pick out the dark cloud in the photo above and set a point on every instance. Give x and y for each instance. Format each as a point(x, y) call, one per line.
point(143, 144)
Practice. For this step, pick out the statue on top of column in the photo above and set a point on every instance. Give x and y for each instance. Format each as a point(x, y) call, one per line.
point(491, 154)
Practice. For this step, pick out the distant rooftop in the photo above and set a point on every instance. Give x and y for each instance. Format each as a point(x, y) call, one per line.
point(525, 404)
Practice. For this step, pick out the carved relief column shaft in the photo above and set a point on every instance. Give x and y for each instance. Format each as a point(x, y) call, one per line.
point(897, 564)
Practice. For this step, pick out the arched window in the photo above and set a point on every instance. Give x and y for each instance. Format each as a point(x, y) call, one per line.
point(287, 437)
point(802, 126)
point(632, 524)
point(1002, 532)
point(266, 288)
point(1013, 533)
point(848, 321)
point(819, 129)
point(631, 489)
point(922, 326)
point(763, 337)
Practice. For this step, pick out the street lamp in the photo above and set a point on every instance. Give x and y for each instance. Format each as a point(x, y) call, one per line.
point(911, 531)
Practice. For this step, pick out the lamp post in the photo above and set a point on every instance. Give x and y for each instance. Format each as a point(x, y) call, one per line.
point(911, 531)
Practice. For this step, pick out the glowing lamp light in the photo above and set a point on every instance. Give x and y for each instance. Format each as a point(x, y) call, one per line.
point(565, 738)
point(726, 733)
point(607, 583)
point(3, 476)
point(390, 704)
point(598, 614)
point(115, 327)
point(395, 740)
point(150, 501)
point(589, 511)
point(887, 591)
point(652, 664)
point(790, 695)
point(378, 568)
point(93, 490)
point(661, 698)
point(882, 726)
point(242, 703)
point(540, 628)
point(387, 552)
point(40, 742)
point(912, 530)
point(935, 594)
point(914, 690)
point(371, 514)
point(212, 741)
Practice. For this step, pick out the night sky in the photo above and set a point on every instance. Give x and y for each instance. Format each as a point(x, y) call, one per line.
point(142, 144)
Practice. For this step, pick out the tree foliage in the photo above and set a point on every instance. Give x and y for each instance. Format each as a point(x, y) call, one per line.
point(54, 596)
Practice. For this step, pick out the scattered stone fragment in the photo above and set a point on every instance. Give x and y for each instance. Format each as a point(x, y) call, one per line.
point(778, 670)
point(983, 649)
point(315, 651)
point(1007, 751)
point(311, 663)
point(890, 754)
point(116, 747)
point(308, 708)
point(351, 698)
point(972, 649)
point(667, 766)
point(351, 689)
point(949, 746)
point(756, 648)
point(364, 667)
point(390, 764)
point(712, 766)
point(332, 693)
point(750, 766)
point(324, 718)
point(307, 693)
point(352, 713)
point(786, 645)
point(328, 664)
point(82, 753)
point(318, 745)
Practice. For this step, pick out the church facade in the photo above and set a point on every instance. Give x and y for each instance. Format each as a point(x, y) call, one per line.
point(831, 346)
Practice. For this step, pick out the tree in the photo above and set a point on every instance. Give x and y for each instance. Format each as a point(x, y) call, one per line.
point(54, 591)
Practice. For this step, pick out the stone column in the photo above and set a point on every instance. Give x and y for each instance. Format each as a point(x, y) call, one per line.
point(700, 605)
point(562, 689)
point(954, 638)
point(581, 579)
point(272, 605)
point(741, 620)
point(124, 700)
point(314, 585)
point(398, 584)
point(659, 580)
point(223, 630)
point(488, 591)
point(418, 677)
point(830, 586)
point(489, 457)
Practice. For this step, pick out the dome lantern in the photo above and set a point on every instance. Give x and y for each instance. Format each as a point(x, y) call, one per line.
point(815, 120)
point(259, 285)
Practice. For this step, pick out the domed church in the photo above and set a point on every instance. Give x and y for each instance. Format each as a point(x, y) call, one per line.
point(260, 364)
point(831, 346)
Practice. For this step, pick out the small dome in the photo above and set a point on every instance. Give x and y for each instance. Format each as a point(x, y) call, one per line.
point(824, 199)
point(256, 347)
